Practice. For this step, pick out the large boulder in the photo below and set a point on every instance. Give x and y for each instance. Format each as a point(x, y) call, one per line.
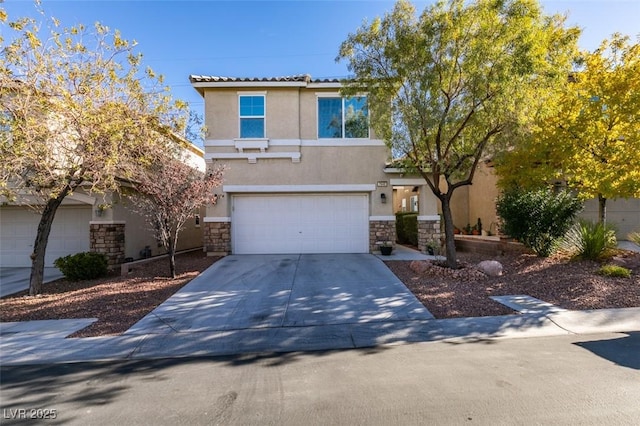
point(493, 268)
point(627, 260)
point(419, 266)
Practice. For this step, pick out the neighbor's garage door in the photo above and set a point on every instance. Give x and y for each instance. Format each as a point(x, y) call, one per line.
point(18, 227)
point(300, 224)
point(624, 214)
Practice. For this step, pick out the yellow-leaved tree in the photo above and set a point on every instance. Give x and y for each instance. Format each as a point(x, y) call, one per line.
point(592, 139)
point(77, 113)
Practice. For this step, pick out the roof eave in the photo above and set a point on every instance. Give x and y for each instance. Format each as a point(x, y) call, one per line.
point(236, 84)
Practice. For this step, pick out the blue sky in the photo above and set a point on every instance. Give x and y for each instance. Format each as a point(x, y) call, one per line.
point(272, 38)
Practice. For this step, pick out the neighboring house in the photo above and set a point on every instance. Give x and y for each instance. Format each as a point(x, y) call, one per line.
point(89, 222)
point(479, 201)
point(304, 171)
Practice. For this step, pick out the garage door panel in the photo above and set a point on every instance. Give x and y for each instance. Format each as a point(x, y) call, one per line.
point(69, 234)
point(624, 214)
point(300, 224)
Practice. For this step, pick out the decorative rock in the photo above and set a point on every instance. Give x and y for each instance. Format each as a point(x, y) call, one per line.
point(629, 261)
point(493, 268)
point(419, 266)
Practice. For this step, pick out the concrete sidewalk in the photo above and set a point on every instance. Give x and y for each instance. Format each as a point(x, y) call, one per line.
point(40, 347)
point(288, 303)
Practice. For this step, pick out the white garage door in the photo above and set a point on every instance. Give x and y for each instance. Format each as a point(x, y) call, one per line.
point(300, 224)
point(624, 214)
point(18, 227)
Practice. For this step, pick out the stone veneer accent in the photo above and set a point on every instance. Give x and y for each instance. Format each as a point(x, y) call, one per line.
point(381, 231)
point(428, 232)
point(108, 238)
point(217, 238)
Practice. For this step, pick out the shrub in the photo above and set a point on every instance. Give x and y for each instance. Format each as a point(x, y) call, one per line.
point(411, 228)
point(538, 218)
point(635, 237)
point(400, 228)
point(589, 240)
point(407, 227)
point(614, 271)
point(82, 266)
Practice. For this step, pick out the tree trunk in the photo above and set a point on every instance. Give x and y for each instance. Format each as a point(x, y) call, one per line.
point(450, 242)
point(602, 209)
point(40, 244)
point(172, 256)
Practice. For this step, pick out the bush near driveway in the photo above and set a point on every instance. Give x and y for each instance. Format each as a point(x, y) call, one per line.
point(83, 266)
point(537, 218)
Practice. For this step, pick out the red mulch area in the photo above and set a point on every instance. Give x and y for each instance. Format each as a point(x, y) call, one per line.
point(117, 301)
point(570, 284)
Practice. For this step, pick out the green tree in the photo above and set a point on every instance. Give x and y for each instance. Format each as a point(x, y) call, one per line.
point(592, 139)
point(78, 114)
point(448, 86)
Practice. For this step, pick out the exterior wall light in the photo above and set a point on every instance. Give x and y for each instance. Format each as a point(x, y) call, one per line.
point(383, 198)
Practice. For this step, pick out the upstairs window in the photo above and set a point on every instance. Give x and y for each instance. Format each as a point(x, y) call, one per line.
point(252, 116)
point(343, 118)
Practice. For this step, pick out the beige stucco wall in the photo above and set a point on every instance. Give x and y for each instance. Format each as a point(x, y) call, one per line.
point(138, 235)
point(221, 114)
point(471, 202)
point(281, 114)
point(291, 112)
point(482, 198)
point(333, 165)
point(318, 165)
point(624, 214)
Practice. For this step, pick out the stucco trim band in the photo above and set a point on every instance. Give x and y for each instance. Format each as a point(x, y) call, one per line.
point(299, 188)
point(429, 217)
point(343, 142)
point(382, 218)
point(252, 157)
point(298, 142)
point(215, 219)
point(108, 222)
point(407, 182)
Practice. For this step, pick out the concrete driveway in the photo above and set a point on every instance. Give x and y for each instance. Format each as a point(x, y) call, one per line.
point(13, 280)
point(271, 291)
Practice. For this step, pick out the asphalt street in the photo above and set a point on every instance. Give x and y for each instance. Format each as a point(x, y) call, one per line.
point(560, 380)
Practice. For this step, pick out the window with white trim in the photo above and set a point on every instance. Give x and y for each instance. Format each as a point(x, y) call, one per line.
point(343, 118)
point(252, 114)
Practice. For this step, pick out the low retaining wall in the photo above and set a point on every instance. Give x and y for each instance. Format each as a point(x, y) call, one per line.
point(489, 246)
point(127, 268)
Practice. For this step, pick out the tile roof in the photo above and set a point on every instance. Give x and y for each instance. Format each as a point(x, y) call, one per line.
point(303, 78)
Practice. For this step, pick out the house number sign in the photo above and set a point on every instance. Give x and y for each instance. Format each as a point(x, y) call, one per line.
point(383, 183)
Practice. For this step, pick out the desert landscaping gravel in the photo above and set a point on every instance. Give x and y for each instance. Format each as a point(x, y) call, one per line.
point(559, 280)
point(119, 302)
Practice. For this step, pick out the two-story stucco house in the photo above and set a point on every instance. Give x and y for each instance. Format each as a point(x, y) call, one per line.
point(304, 171)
